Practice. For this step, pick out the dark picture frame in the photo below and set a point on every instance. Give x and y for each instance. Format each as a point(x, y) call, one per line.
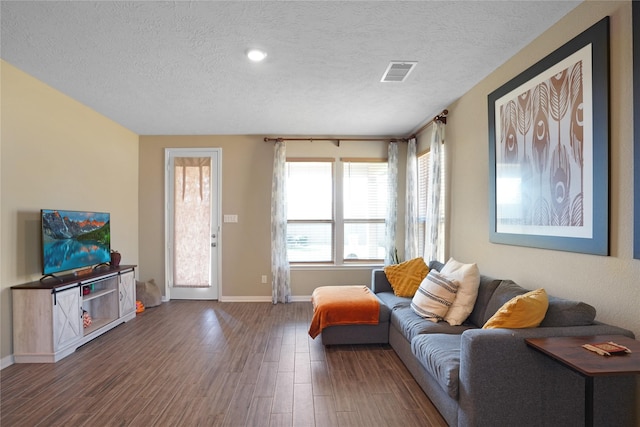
point(549, 150)
point(636, 129)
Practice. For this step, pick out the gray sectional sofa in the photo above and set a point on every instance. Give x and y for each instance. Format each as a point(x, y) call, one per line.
point(490, 377)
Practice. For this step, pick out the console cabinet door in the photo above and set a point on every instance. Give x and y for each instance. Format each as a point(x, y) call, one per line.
point(127, 293)
point(67, 318)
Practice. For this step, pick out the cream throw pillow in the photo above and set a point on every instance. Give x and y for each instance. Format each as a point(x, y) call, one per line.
point(406, 276)
point(523, 311)
point(434, 296)
point(468, 277)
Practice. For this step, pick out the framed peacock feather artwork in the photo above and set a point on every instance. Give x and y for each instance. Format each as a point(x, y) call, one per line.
point(549, 150)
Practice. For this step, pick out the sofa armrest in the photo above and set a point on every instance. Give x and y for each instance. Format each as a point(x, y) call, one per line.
point(502, 379)
point(379, 282)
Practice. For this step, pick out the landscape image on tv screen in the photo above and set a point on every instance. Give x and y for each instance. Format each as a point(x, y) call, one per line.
point(74, 239)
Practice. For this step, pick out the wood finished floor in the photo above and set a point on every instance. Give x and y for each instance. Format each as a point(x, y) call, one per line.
point(207, 363)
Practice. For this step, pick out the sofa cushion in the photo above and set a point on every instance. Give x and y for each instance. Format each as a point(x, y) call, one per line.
point(409, 324)
point(506, 290)
point(522, 311)
point(392, 301)
point(435, 265)
point(468, 277)
point(486, 289)
point(434, 296)
point(379, 281)
point(439, 354)
point(563, 312)
point(407, 276)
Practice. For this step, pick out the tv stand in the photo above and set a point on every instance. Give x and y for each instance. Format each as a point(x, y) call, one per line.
point(47, 315)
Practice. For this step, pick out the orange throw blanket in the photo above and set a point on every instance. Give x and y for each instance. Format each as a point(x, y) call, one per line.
point(343, 305)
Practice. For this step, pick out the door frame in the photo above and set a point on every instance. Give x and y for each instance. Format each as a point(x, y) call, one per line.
point(217, 177)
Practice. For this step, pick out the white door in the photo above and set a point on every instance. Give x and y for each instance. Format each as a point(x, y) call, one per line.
point(192, 228)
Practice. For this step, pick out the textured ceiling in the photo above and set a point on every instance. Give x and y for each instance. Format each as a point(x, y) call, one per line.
point(163, 68)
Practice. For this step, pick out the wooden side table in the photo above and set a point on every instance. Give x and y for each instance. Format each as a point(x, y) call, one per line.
point(569, 352)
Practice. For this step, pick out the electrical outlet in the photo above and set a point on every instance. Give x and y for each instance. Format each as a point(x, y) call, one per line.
point(230, 218)
point(264, 278)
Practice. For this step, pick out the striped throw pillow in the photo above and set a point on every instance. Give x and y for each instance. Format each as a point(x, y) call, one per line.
point(435, 295)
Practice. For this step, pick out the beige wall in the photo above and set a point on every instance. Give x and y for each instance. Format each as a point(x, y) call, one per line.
point(57, 154)
point(610, 283)
point(247, 164)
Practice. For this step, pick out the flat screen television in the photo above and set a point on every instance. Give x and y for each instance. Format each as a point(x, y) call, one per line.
point(74, 240)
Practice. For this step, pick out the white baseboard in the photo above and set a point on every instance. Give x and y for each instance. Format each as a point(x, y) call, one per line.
point(300, 298)
point(294, 298)
point(6, 361)
point(244, 299)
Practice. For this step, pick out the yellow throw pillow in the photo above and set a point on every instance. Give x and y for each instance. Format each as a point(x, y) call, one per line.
point(523, 311)
point(405, 278)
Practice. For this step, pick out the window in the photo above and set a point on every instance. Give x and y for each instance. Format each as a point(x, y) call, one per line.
point(364, 206)
point(336, 217)
point(310, 218)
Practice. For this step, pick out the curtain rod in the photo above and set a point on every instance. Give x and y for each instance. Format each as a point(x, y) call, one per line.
point(442, 118)
point(336, 140)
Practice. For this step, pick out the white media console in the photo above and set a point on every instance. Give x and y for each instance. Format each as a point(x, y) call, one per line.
point(48, 314)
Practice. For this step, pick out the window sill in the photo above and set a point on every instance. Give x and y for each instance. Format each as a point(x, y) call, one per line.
point(294, 267)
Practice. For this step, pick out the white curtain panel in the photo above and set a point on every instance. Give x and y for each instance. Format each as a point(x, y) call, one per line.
point(392, 207)
point(434, 233)
point(281, 284)
point(411, 212)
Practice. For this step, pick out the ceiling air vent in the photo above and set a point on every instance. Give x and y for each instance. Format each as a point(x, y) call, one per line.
point(397, 71)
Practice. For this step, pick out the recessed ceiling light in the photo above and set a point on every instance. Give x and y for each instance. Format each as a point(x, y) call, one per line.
point(256, 55)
